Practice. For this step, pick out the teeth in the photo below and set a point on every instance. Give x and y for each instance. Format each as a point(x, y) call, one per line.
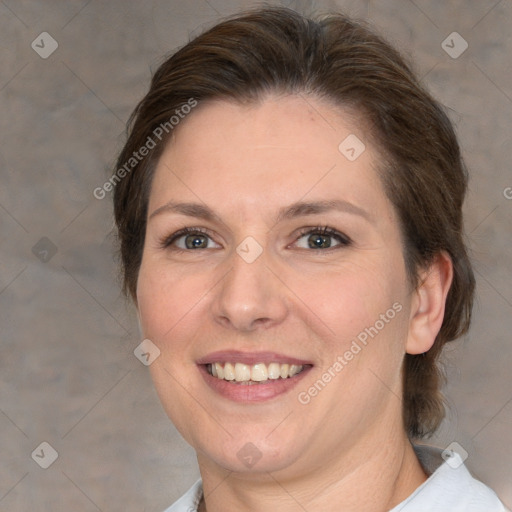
point(242, 372)
point(229, 371)
point(294, 369)
point(260, 372)
point(219, 371)
point(274, 371)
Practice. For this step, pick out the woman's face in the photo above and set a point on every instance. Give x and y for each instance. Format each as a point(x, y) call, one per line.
point(292, 256)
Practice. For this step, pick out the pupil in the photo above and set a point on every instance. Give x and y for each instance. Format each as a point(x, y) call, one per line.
point(194, 241)
point(319, 241)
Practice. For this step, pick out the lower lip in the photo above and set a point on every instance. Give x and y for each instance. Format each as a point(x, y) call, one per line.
point(244, 393)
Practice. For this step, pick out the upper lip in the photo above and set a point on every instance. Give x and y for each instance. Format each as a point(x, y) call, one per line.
point(250, 358)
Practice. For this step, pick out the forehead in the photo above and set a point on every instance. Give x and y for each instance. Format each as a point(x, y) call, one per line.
point(280, 150)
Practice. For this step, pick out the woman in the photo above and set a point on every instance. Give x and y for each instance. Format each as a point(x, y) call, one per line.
point(289, 212)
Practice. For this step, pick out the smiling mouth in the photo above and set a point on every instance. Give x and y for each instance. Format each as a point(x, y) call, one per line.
point(240, 373)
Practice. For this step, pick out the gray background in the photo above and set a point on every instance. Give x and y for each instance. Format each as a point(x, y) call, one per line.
point(68, 375)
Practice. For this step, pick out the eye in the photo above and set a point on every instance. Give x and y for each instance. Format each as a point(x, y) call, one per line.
point(321, 238)
point(189, 239)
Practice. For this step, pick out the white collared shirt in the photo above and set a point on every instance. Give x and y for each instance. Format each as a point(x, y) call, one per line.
point(450, 488)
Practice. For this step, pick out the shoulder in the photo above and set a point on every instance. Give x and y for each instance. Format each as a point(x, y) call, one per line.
point(189, 501)
point(450, 487)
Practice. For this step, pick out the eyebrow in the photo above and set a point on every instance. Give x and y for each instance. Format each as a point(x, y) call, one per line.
point(299, 209)
point(303, 208)
point(189, 209)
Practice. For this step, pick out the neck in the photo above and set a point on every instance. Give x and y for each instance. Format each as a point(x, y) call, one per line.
point(364, 480)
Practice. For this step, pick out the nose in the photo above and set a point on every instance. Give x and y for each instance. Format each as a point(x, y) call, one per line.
point(250, 296)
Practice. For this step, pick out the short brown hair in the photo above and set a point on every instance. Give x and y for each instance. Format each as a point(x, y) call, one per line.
point(277, 50)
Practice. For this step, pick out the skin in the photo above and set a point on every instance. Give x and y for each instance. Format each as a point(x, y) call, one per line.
point(346, 449)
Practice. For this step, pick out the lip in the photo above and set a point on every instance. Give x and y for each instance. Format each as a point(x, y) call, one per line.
point(250, 358)
point(253, 393)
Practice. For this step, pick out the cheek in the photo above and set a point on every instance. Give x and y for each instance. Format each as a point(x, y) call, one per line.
point(170, 310)
point(361, 318)
point(166, 298)
point(349, 299)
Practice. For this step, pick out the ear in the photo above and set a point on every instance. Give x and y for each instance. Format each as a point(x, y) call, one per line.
point(428, 304)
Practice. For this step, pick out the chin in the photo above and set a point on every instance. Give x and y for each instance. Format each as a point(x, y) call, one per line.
point(252, 458)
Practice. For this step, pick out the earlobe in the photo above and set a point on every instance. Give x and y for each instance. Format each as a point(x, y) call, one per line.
point(428, 304)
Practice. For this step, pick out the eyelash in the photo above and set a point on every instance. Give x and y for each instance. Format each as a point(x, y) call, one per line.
point(344, 240)
point(168, 240)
